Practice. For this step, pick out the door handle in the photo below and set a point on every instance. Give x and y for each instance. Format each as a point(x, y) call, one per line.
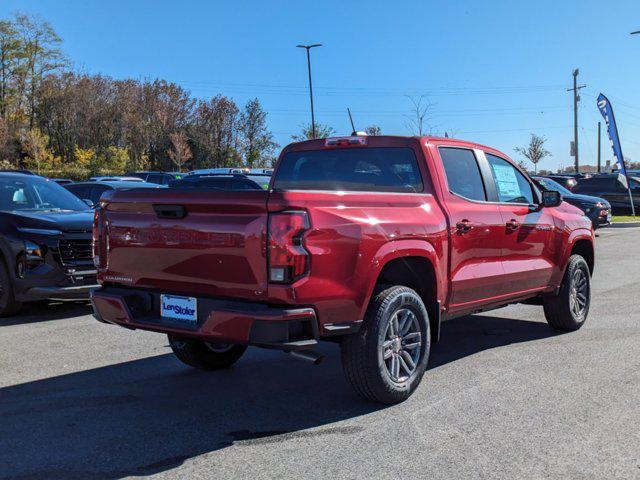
point(464, 226)
point(512, 224)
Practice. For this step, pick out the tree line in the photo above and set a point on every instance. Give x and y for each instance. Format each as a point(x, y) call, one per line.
point(61, 122)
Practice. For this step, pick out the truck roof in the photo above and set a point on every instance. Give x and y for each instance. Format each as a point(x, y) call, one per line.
point(397, 140)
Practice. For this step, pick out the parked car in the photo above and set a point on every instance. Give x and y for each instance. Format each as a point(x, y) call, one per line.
point(90, 192)
point(62, 181)
point(9, 170)
point(161, 178)
point(368, 241)
point(116, 179)
point(45, 241)
point(566, 181)
point(233, 171)
point(597, 209)
point(261, 176)
point(610, 188)
point(221, 182)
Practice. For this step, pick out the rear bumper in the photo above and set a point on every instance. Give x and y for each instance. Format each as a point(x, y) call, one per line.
point(219, 320)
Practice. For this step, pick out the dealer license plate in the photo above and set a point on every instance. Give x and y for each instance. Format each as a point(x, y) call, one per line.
point(179, 308)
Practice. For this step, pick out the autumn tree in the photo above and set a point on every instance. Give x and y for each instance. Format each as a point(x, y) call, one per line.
point(322, 131)
point(35, 150)
point(214, 130)
point(535, 151)
point(258, 146)
point(10, 55)
point(53, 117)
point(179, 153)
point(41, 55)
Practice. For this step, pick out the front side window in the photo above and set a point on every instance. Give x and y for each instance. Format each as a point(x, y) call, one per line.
point(552, 185)
point(512, 186)
point(463, 173)
point(36, 194)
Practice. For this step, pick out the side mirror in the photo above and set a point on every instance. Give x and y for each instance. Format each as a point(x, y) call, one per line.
point(88, 202)
point(551, 198)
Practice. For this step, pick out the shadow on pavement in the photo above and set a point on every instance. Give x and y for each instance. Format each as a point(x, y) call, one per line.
point(33, 312)
point(150, 415)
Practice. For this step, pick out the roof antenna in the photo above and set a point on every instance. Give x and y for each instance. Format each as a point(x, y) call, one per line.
point(353, 128)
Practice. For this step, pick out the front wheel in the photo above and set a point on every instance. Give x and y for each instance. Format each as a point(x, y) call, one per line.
point(384, 362)
point(205, 355)
point(569, 309)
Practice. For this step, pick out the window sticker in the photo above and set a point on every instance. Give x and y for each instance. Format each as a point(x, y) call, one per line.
point(507, 181)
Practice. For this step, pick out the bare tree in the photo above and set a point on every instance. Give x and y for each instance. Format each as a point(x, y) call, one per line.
point(180, 153)
point(535, 151)
point(417, 119)
point(373, 130)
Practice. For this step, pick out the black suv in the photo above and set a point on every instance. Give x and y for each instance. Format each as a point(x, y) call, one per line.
point(609, 187)
point(45, 243)
point(597, 209)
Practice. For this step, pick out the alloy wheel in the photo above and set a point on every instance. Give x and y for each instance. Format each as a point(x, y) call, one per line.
point(578, 296)
point(401, 345)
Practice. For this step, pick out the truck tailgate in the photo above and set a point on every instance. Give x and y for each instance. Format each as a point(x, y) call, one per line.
point(191, 242)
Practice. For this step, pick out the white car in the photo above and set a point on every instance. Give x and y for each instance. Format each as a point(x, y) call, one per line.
point(115, 179)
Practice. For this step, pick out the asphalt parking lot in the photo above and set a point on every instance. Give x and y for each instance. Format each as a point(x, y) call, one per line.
point(505, 397)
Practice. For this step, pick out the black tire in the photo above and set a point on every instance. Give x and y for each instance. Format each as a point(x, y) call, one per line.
point(8, 304)
point(203, 355)
point(363, 353)
point(561, 311)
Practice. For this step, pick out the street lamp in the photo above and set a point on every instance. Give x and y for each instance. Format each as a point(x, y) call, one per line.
point(634, 33)
point(307, 48)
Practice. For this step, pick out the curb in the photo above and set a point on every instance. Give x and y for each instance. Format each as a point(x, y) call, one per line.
point(624, 225)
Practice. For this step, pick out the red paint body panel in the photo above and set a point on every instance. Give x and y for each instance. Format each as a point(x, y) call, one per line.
point(219, 249)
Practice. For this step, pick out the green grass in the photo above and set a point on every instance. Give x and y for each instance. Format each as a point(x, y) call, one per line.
point(625, 219)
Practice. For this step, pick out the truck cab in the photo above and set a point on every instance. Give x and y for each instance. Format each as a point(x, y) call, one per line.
point(368, 241)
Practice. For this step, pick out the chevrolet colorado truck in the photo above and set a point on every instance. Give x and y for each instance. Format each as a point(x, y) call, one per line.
point(367, 241)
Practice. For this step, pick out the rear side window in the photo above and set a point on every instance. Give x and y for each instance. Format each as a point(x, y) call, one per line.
point(595, 183)
point(97, 192)
point(463, 173)
point(350, 169)
point(155, 178)
point(80, 191)
point(512, 186)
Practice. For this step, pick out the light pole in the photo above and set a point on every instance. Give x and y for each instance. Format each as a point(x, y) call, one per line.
point(307, 48)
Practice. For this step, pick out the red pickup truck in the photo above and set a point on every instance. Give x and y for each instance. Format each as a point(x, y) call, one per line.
point(369, 241)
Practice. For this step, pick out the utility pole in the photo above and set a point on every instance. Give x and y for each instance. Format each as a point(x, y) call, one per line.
point(576, 99)
point(313, 120)
point(599, 164)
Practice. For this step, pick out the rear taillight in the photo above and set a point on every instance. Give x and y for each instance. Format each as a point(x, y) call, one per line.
point(99, 240)
point(288, 259)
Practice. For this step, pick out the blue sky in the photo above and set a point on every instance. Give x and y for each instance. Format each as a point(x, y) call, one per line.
point(495, 71)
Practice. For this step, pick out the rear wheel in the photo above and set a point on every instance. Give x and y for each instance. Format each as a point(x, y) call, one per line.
point(8, 304)
point(205, 355)
point(569, 309)
point(385, 360)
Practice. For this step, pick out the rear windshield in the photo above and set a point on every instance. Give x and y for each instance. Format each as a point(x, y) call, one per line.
point(350, 169)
